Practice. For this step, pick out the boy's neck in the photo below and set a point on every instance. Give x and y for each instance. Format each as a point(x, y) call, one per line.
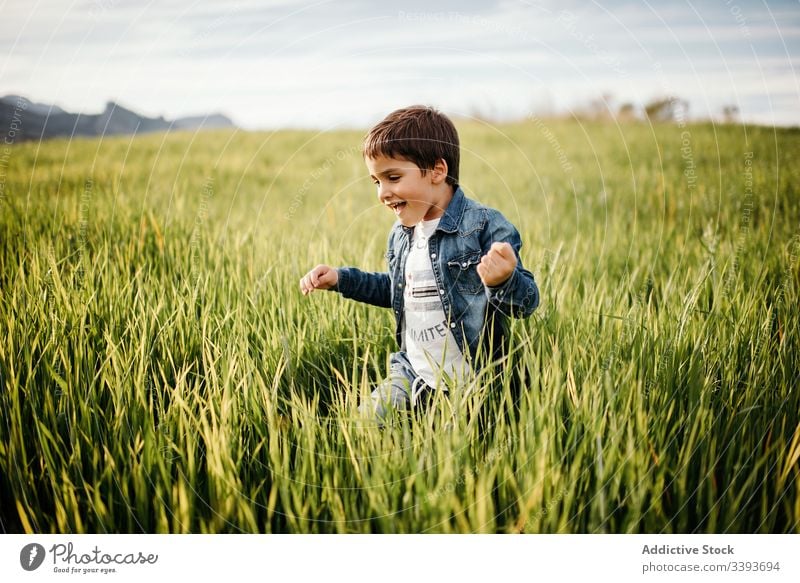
point(437, 211)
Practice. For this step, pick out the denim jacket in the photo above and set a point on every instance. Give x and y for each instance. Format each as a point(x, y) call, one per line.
point(477, 314)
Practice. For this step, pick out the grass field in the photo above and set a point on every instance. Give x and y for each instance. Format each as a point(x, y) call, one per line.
point(161, 372)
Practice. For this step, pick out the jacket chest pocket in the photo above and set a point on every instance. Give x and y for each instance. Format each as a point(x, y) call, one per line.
point(464, 273)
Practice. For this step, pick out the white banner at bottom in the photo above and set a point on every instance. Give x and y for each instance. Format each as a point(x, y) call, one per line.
point(400, 558)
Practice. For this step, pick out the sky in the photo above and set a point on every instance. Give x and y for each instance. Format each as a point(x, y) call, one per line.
point(329, 64)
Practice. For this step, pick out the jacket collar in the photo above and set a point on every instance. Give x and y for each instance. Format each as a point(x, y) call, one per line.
point(452, 214)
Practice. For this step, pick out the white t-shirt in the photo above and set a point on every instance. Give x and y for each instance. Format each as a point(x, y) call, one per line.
point(429, 342)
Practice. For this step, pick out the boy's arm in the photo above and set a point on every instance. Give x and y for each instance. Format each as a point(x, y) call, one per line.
point(363, 286)
point(370, 287)
point(518, 296)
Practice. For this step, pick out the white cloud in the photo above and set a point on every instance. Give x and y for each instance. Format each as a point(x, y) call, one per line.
point(324, 63)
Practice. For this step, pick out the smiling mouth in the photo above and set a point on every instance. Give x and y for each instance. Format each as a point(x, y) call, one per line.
point(397, 206)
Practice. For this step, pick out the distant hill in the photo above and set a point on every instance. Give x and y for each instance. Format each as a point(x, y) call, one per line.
point(22, 119)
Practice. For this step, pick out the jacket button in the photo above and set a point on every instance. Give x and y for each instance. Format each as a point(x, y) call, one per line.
point(433, 255)
point(441, 291)
point(464, 264)
point(452, 324)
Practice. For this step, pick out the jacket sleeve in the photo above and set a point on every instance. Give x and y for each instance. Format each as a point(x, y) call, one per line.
point(364, 286)
point(518, 296)
point(370, 287)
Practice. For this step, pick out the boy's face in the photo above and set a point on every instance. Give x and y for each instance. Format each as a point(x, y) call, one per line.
point(410, 194)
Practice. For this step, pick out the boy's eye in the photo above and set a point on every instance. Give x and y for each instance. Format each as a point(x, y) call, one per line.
point(393, 178)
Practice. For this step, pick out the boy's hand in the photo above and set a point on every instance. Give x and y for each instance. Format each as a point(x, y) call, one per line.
point(497, 265)
point(321, 277)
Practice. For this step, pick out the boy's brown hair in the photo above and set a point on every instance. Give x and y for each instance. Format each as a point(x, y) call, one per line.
point(419, 134)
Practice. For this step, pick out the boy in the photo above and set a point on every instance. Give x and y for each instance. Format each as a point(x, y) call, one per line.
point(454, 272)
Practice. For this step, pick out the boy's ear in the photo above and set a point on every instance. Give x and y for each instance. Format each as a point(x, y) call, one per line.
point(439, 172)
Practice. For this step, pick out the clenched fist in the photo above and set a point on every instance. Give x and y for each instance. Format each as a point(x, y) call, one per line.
point(497, 265)
point(321, 277)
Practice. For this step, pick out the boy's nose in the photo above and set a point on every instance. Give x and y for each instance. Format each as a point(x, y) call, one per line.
point(384, 193)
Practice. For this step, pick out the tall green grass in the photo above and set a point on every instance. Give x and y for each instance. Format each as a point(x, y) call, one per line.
point(161, 372)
